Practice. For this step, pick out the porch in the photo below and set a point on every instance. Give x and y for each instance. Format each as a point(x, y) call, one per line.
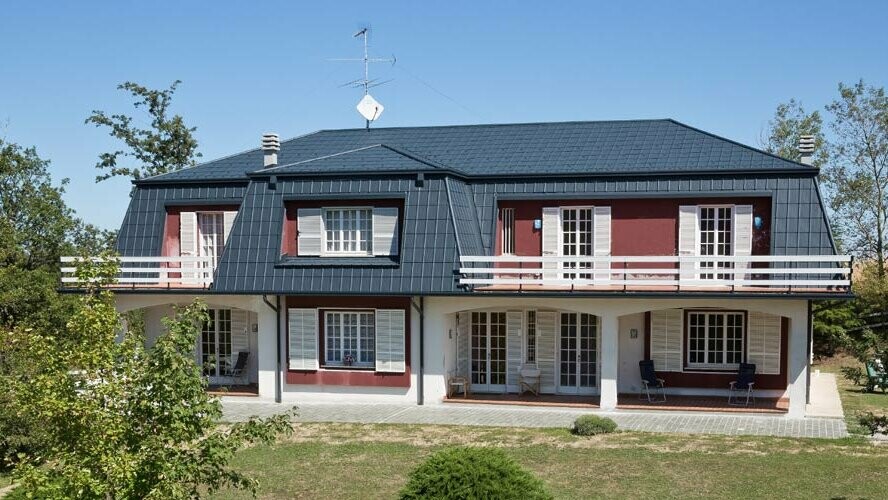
point(773, 406)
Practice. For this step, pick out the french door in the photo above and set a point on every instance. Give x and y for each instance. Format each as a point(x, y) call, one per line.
point(577, 239)
point(215, 344)
point(716, 232)
point(488, 346)
point(578, 353)
point(211, 231)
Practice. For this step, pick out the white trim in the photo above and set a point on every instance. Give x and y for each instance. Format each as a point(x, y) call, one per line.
point(356, 253)
point(361, 337)
point(577, 390)
point(724, 365)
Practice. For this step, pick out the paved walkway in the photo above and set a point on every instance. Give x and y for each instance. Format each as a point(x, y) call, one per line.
point(511, 416)
point(825, 400)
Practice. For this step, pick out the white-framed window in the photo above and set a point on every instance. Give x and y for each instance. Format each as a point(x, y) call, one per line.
point(350, 338)
point(507, 216)
point(577, 239)
point(715, 339)
point(215, 343)
point(716, 237)
point(348, 231)
point(211, 235)
point(530, 341)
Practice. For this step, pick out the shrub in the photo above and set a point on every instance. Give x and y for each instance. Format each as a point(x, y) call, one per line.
point(853, 374)
point(875, 424)
point(467, 472)
point(590, 425)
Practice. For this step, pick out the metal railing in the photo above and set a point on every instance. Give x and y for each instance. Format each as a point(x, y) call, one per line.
point(152, 272)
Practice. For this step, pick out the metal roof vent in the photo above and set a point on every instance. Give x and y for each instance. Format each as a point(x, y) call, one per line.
point(806, 149)
point(271, 144)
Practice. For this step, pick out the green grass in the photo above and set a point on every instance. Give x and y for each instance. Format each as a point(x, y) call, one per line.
point(854, 399)
point(372, 461)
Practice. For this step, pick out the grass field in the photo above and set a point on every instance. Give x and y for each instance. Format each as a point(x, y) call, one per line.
point(854, 400)
point(372, 461)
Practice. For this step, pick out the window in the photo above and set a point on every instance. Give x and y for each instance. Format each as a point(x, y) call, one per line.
point(507, 216)
point(530, 352)
point(348, 231)
point(350, 338)
point(577, 239)
point(715, 339)
point(716, 231)
point(210, 227)
point(215, 343)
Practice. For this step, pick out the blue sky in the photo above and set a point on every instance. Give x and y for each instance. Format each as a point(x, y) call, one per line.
point(250, 68)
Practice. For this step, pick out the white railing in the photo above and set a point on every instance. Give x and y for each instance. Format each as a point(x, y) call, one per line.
point(152, 272)
point(827, 273)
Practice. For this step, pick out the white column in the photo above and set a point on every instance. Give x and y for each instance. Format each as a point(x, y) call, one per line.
point(609, 360)
point(267, 341)
point(798, 360)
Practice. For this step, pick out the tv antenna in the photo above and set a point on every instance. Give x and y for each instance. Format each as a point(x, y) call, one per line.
point(368, 107)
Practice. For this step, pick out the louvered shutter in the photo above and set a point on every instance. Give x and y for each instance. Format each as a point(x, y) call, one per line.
point(666, 340)
point(308, 227)
point(462, 343)
point(302, 329)
point(546, 331)
point(742, 235)
point(385, 231)
point(763, 342)
point(227, 222)
point(602, 236)
point(188, 243)
point(240, 324)
point(514, 329)
point(687, 239)
point(390, 341)
point(551, 238)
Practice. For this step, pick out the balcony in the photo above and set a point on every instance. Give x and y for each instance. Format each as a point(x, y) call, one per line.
point(827, 274)
point(151, 272)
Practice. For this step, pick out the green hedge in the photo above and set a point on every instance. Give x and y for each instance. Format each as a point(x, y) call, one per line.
point(590, 425)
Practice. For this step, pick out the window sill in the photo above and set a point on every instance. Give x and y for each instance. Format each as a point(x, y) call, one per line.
point(710, 369)
point(348, 368)
point(314, 261)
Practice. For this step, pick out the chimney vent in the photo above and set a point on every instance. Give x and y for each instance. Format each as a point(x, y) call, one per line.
point(806, 149)
point(271, 144)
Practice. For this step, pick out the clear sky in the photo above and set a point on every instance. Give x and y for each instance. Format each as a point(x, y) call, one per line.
point(254, 67)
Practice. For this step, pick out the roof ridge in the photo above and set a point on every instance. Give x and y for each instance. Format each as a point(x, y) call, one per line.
point(515, 124)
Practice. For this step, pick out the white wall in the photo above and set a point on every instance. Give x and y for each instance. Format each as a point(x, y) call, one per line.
point(631, 352)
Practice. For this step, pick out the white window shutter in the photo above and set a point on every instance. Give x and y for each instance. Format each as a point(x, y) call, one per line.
point(551, 238)
point(742, 235)
point(602, 235)
point(227, 222)
point(666, 340)
point(385, 231)
point(390, 341)
point(302, 329)
point(763, 342)
point(514, 336)
point(546, 331)
point(308, 226)
point(462, 343)
point(188, 243)
point(688, 234)
point(240, 324)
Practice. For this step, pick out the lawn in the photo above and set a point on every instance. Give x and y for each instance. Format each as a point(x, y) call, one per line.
point(854, 400)
point(372, 461)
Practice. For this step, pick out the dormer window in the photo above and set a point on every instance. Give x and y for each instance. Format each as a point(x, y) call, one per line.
point(348, 231)
point(345, 230)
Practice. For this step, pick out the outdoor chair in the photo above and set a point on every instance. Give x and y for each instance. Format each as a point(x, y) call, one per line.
point(744, 384)
point(653, 388)
point(875, 377)
point(240, 365)
point(458, 383)
point(529, 379)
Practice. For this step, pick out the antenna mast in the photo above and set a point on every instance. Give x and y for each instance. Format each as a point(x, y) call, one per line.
point(368, 107)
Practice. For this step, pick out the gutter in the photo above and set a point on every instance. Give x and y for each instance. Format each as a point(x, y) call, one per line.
point(277, 372)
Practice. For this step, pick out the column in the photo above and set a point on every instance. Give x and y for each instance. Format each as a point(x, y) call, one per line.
point(267, 341)
point(798, 360)
point(609, 360)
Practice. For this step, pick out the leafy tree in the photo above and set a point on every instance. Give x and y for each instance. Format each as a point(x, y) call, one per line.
point(167, 145)
point(789, 123)
point(129, 421)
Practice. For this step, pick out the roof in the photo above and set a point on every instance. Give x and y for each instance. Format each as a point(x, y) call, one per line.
point(565, 148)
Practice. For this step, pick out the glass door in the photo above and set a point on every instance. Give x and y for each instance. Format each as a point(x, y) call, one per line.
point(210, 227)
point(578, 353)
point(215, 345)
point(577, 240)
point(488, 347)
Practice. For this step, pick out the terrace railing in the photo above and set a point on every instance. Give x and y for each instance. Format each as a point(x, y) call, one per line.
point(789, 273)
point(151, 272)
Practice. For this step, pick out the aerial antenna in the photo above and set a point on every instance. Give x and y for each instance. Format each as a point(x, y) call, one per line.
point(368, 107)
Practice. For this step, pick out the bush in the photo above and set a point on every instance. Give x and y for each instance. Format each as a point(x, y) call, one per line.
point(472, 473)
point(590, 425)
point(875, 424)
point(854, 374)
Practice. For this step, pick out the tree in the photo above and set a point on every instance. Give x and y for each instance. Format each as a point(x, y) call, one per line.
point(166, 146)
point(127, 421)
point(789, 123)
point(857, 175)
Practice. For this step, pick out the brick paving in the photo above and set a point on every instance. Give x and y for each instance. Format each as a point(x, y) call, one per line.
point(513, 416)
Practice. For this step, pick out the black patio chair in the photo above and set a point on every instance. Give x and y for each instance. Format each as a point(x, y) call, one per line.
point(744, 383)
point(650, 381)
point(240, 366)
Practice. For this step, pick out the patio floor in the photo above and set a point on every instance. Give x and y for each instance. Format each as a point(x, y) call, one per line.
point(628, 402)
point(249, 390)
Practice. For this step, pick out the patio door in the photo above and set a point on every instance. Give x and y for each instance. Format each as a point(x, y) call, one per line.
point(488, 346)
point(215, 345)
point(577, 239)
point(578, 354)
point(211, 231)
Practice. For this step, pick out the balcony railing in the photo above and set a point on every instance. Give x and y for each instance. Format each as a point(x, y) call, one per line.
point(152, 272)
point(768, 273)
